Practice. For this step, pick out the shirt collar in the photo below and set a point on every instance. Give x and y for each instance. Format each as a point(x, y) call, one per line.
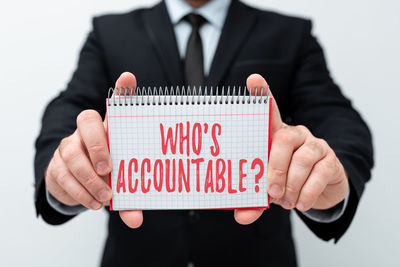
point(214, 11)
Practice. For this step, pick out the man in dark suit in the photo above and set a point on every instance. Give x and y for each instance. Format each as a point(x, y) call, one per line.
point(318, 169)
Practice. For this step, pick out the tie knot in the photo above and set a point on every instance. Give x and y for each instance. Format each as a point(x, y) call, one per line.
point(195, 20)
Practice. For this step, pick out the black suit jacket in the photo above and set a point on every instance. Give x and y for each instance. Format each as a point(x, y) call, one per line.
point(280, 48)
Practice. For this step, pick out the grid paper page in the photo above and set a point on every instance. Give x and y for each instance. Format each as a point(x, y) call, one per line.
point(189, 156)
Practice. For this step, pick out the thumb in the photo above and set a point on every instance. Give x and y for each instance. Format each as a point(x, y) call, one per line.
point(256, 81)
point(126, 82)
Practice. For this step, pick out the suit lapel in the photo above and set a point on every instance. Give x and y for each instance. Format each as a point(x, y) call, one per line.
point(238, 24)
point(160, 31)
point(236, 29)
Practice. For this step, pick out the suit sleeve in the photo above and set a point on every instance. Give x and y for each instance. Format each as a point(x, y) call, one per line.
point(317, 102)
point(86, 90)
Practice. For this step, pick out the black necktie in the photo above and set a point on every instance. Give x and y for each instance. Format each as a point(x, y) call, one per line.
point(194, 73)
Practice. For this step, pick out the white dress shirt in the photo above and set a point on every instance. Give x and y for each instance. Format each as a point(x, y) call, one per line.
point(214, 12)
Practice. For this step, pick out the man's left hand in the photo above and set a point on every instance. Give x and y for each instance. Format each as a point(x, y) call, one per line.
point(303, 171)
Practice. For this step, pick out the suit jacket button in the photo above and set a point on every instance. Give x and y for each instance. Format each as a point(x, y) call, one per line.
point(194, 216)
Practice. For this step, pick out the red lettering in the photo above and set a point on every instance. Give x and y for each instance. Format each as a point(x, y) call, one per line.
point(121, 177)
point(167, 172)
point(241, 175)
point(170, 134)
point(183, 138)
point(183, 178)
point(130, 180)
point(209, 178)
point(146, 161)
point(215, 147)
point(219, 176)
point(258, 176)
point(197, 162)
point(158, 184)
point(230, 189)
point(197, 148)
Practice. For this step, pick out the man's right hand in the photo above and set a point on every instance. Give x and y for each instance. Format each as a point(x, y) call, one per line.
point(78, 171)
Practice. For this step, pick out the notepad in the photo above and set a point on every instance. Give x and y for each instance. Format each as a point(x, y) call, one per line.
point(188, 151)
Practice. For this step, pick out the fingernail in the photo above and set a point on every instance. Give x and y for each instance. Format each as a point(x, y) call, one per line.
point(301, 206)
point(104, 195)
point(275, 190)
point(102, 167)
point(95, 205)
point(286, 204)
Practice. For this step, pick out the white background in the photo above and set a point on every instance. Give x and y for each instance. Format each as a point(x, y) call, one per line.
point(39, 42)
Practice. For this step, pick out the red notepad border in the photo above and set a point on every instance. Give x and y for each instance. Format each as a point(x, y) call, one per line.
point(241, 208)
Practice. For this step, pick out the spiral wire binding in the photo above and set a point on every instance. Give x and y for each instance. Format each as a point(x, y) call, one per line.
point(184, 96)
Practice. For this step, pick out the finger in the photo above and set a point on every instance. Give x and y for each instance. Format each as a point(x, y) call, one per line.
point(73, 188)
point(59, 193)
point(77, 162)
point(276, 201)
point(91, 130)
point(132, 218)
point(315, 185)
point(331, 173)
point(125, 84)
point(247, 216)
point(256, 81)
point(54, 188)
point(126, 81)
point(284, 143)
point(300, 167)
